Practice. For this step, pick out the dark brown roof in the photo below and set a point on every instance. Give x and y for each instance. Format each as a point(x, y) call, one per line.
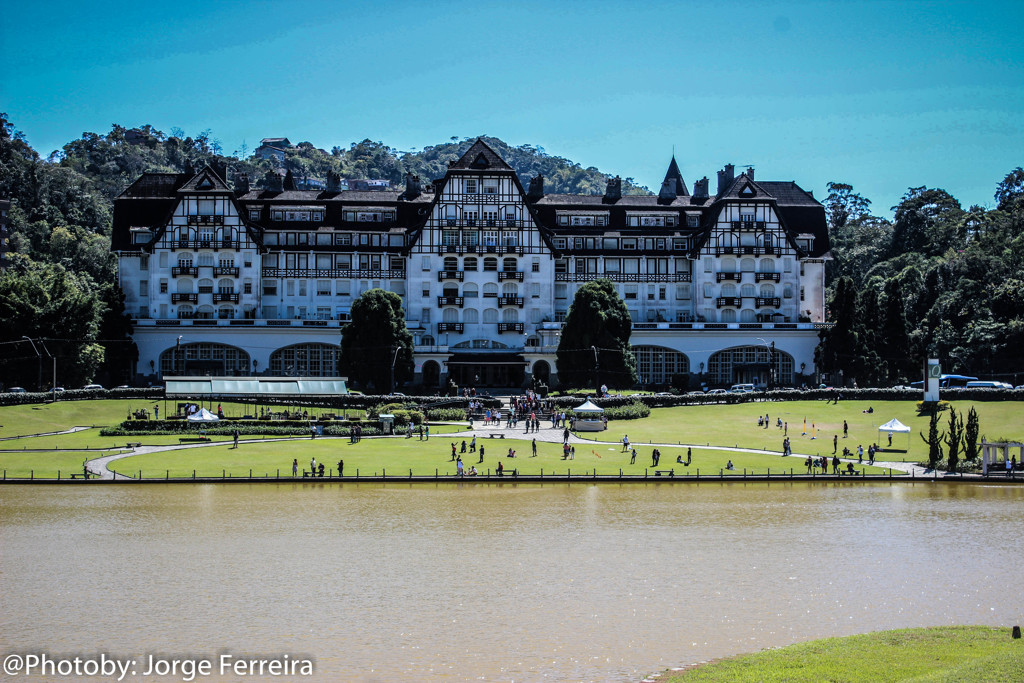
point(480, 157)
point(674, 175)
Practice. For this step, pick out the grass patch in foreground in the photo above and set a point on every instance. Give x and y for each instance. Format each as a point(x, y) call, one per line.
point(398, 456)
point(44, 465)
point(946, 653)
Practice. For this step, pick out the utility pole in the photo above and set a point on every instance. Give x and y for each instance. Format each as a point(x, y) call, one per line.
point(394, 358)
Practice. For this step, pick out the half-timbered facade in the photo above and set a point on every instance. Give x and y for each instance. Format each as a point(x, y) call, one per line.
point(725, 287)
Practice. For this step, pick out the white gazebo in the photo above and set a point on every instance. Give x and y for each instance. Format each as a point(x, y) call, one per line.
point(589, 417)
point(990, 451)
point(894, 426)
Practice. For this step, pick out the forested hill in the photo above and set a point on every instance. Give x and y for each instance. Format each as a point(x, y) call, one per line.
point(935, 279)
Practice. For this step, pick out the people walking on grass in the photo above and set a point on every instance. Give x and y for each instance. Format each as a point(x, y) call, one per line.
point(341, 468)
point(472, 444)
point(871, 455)
point(501, 469)
point(453, 452)
point(565, 437)
point(846, 429)
point(481, 453)
point(632, 457)
point(835, 443)
point(295, 467)
point(860, 454)
point(535, 448)
point(835, 464)
point(625, 443)
point(234, 434)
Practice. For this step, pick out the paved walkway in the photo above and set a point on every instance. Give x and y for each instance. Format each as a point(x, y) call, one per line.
point(29, 436)
point(486, 435)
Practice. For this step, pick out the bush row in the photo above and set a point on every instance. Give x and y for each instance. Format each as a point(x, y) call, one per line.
point(148, 394)
point(244, 429)
point(250, 426)
point(446, 414)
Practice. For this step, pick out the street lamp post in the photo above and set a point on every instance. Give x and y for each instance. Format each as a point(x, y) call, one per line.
point(597, 372)
point(39, 378)
point(54, 359)
point(771, 362)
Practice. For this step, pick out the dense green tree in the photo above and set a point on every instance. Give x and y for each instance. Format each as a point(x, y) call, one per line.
point(843, 204)
point(371, 339)
point(840, 346)
point(894, 341)
point(954, 440)
point(971, 432)
point(927, 221)
point(597, 323)
point(934, 441)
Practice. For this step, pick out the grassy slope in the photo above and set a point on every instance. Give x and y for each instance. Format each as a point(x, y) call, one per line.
point(956, 653)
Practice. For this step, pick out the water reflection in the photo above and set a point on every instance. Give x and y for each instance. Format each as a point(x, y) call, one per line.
point(524, 582)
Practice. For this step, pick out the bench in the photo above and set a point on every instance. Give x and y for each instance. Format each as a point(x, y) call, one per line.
point(499, 436)
point(133, 444)
point(667, 473)
point(81, 475)
point(851, 473)
point(510, 473)
point(188, 439)
point(312, 475)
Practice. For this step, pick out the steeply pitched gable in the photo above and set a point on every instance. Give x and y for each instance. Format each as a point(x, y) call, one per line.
point(480, 157)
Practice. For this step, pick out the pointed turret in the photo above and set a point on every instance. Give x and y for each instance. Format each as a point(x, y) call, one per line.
point(674, 180)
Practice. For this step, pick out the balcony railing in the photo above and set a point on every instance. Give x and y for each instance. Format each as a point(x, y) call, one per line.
point(510, 301)
point(510, 275)
point(225, 270)
point(184, 270)
point(449, 301)
point(724, 301)
point(206, 244)
point(761, 277)
point(510, 327)
point(450, 327)
point(205, 219)
point(623, 277)
point(184, 298)
point(746, 250)
point(767, 302)
point(451, 275)
point(225, 297)
point(728, 277)
point(748, 225)
point(340, 273)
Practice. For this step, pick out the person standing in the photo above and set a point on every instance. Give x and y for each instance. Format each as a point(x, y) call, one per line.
point(860, 454)
point(295, 467)
point(835, 443)
point(632, 458)
point(312, 467)
point(341, 468)
point(156, 412)
point(625, 443)
point(846, 429)
point(472, 444)
point(535, 448)
point(235, 435)
point(458, 466)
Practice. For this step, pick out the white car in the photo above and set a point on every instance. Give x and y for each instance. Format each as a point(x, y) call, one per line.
point(93, 386)
point(717, 391)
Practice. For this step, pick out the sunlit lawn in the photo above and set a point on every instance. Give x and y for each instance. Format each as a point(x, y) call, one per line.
point(45, 464)
point(736, 425)
point(397, 457)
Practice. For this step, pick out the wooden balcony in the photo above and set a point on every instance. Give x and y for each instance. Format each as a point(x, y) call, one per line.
point(728, 277)
point(184, 298)
point(451, 275)
point(761, 277)
point(450, 327)
point(220, 271)
point(204, 219)
point(510, 301)
point(767, 302)
point(510, 327)
point(449, 301)
point(184, 270)
point(724, 301)
point(516, 275)
point(225, 297)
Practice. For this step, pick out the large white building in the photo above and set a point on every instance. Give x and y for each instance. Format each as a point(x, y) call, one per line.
point(239, 281)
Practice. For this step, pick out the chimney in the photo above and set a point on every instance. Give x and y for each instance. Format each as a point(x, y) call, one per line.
point(333, 182)
point(614, 191)
point(289, 181)
point(750, 172)
point(189, 169)
point(272, 182)
point(725, 178)
point(536, 190)
point(412, 186)
point(668, 191)
point(242, 183)
point(220, 168)
point(700, 188)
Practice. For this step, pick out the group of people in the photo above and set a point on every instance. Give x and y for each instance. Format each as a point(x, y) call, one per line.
point(316, 469)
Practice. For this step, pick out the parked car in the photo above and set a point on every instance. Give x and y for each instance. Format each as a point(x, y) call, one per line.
point(741, 389)
point(122, 386)
point(93, 386)
point(16, 390)
point(983, 384)
point(58, 389)
point(717, 391)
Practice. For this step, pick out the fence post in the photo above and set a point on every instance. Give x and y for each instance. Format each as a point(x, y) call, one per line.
point(58, 475)
point(193, 474)
point(167, 475)
point(31, 474)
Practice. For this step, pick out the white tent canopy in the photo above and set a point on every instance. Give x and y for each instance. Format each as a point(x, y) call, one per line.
point(588, 407)
point(203, 415)
point(894, 425)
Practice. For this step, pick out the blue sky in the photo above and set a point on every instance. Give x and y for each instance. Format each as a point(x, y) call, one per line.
point(882, 95)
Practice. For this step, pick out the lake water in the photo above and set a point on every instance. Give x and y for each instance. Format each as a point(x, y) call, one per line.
point(497, 582)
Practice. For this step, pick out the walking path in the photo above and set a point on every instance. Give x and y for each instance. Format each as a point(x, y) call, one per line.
point(28, 436)
point(547, 434)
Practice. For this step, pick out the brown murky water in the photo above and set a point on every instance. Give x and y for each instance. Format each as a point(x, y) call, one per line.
point(496, 582)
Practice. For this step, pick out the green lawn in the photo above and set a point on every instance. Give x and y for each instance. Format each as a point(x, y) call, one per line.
point(44, 465)
point(398, 456)
point(965, 654)
point(736, 425)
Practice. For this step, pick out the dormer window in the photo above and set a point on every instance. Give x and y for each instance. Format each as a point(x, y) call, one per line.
point(490, 186)
point(254, 214)
point(693, 221)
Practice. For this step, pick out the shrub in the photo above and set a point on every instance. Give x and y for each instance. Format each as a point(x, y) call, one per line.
point(446, 414)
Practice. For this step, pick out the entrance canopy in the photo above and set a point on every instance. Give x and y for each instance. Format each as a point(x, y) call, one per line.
point(254, 387)
point(894, 425)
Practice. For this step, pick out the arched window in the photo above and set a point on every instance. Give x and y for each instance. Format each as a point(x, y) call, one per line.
point(748, 291)
point(728, 315)
point(510, 289)
point(471, 315)
point(184, 285)
point(490, 264)
point(747, 315)
point(185, 312)
point(450, 315)
point(471, 291)
point(469, 264)
point(450, 290)
point(657, 365)
point(205, 312)
point(427, 340)
point(729, 290)
point(205, 286)
point(305, 360)
point(767, 291)
point(510, 315)
point(747, 265)
point(491, 315)
point(745, 364)
point(431, 373)
point(226, 286)
point(490, 290)
point(728, 265)
point(767, 265)
point(202, 358)
point(509, 265)
point(450, 263)
point(542, 371)
point(226, 312)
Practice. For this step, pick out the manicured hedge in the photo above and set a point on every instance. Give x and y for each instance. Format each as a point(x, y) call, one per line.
point(245, 428)
point(147, 393)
